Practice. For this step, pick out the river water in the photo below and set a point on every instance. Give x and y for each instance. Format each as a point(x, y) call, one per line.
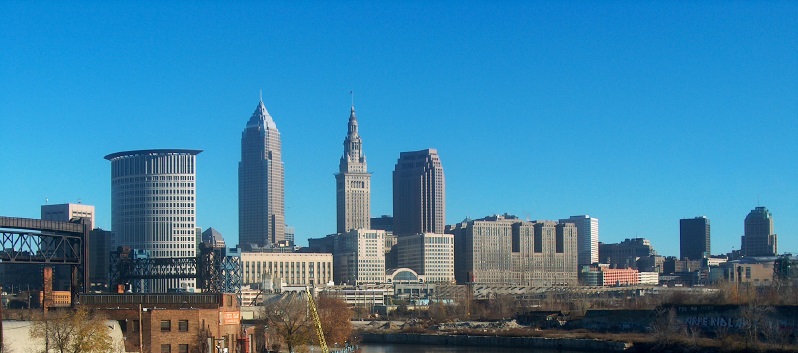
point(413, 348)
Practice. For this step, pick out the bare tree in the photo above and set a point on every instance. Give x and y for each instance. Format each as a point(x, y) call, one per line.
point(289, 320)
point(667, 328)
point(335, 317)
point(754, 316)
point(74, 331)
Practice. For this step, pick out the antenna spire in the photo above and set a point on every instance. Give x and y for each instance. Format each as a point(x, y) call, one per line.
point(261, 94)
point(352, 93)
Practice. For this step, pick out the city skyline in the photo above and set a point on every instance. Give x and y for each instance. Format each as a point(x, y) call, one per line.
point(663, 111)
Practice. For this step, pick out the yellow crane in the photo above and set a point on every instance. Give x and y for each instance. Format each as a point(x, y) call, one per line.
point(316, 321)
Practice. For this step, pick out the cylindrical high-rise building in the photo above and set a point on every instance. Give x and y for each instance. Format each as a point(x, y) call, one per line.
point(153, 205)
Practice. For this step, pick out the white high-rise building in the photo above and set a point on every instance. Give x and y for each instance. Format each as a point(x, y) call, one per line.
point(587, 238)
point(429, 254)
point(153, 205)
point(359, 257)
point(353, 183)
point(66, 211)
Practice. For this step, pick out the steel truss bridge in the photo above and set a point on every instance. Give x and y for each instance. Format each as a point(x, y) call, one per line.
point(216, 270)
point(35, 241)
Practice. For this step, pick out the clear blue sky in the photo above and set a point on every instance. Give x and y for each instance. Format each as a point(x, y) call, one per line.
point(638, 113)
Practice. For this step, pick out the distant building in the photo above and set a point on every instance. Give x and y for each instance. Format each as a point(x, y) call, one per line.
point(359, 257)
point(604, 276)
point(67, 211)
point(759, 238)
point(428, 254)
point(484, 249)
point(101, 243)
point(353, 183)
point(213, 238)
point(753, 270)
point(506, 250)
point(648, 278)
point(694, 242)
point(270, 270)
point(261, 183)
point(672, 265)
point(290, 235)
point(322, 245)
point(391, 252)
point(153, 206)
point(652, 263)
point(587, 238)
point(626, 253)
point(64, 213)
point(383, 222)
point(419, 193)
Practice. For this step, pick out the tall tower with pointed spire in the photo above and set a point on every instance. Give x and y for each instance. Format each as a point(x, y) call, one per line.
point(261, 195)
point(353, 183)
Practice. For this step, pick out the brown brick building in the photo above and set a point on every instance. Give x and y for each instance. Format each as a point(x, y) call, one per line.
point(171, 323)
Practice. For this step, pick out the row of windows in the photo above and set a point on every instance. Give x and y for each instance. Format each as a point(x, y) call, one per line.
point(166, 325)
point(167, 348)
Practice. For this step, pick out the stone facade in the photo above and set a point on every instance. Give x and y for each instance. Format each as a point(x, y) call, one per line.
point(359, 257)
point(429, 254)
point(353, 183)
point(294, 269)
point(506, 250)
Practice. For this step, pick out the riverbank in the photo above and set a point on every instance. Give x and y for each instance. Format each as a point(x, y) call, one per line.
point(496, 341)
point(510, 334)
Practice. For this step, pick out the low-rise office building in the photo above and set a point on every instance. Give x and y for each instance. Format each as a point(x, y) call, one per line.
point(270, 270)
point(428, 254)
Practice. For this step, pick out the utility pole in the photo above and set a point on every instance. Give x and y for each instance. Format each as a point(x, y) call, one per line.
point(1, 320)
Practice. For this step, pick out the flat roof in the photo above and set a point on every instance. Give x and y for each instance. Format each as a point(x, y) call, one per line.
point(151, 151)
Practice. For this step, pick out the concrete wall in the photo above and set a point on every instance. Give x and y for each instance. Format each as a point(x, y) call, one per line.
point(497, 341)
point(16, 336)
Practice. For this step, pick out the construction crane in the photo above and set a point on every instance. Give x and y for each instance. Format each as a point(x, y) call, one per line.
point(317, 322)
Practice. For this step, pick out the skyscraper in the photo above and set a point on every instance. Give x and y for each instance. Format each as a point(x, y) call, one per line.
point(419, 193)
point(353, 183)
point(694, 238)
point(759, 239)
point(261, 205)
point(153, 205)
point(587, 238)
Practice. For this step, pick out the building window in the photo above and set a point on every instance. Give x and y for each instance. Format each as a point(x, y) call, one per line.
point(166, 325)
point(182, 348)
point(135, 325)
point(166, 348)
point(182, 325)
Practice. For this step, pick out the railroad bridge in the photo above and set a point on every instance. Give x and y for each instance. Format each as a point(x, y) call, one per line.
point(36, 241)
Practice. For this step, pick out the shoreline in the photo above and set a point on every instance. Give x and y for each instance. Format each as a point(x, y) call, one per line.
point(574, 344)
